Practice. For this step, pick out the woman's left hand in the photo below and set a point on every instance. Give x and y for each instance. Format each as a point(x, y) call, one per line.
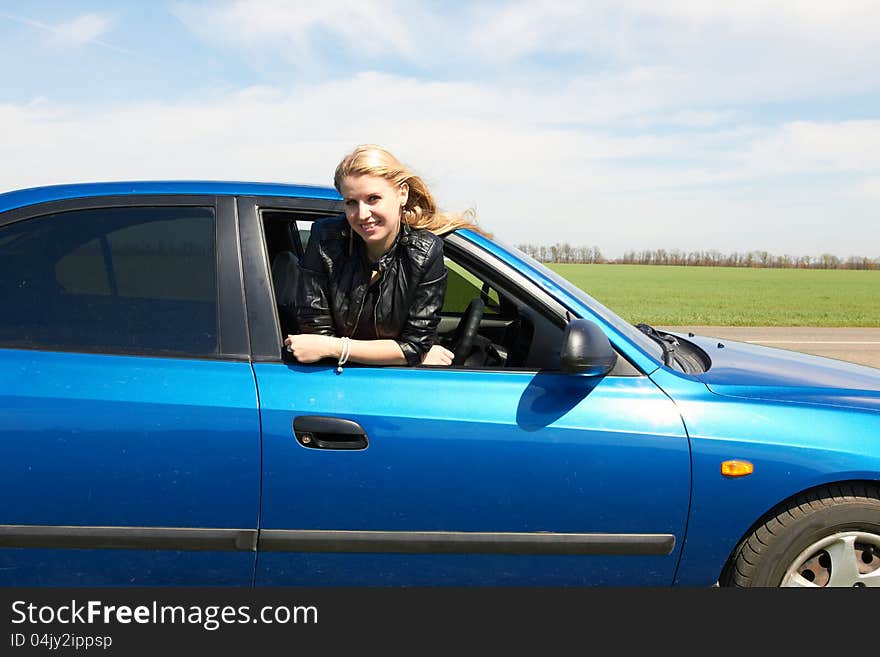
point(438, 355)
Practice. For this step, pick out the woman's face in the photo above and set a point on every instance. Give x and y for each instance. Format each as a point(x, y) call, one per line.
point(372, 207)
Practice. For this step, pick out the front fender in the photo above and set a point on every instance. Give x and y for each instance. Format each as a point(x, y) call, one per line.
point(793, 446)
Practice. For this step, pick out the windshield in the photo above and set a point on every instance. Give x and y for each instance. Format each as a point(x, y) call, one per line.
point(635, 335)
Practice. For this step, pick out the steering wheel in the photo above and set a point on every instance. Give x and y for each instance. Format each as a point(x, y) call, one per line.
point(466, 331)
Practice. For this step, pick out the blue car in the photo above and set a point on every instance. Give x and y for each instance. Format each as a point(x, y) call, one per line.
point(155, 433)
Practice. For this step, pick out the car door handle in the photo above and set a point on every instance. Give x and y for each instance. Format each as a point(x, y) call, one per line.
point(319, 432)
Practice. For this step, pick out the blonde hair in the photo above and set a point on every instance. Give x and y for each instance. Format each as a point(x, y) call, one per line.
point(420, 210)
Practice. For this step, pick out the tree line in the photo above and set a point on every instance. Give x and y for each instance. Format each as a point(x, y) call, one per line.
point(566, 253)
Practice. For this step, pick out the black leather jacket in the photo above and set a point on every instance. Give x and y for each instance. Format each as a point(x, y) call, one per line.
point(335, 277)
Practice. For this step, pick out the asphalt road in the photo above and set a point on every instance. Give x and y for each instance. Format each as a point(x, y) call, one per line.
point(857, 345)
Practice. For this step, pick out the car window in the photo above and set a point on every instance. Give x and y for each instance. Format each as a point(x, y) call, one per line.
point(120, 280)
point(513, 332)
point(462, 286)
point(627, 329)
point(304, 228)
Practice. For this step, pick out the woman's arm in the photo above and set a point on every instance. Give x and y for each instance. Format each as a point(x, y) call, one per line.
point(419, 331)
point(308, 348)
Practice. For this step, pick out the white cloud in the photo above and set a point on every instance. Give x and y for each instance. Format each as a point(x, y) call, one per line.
point(605, 60)
point(527, 178)
point(610, 26)
point(83, 29)
point(627, 29)
point(296, 27)
point(848, 146)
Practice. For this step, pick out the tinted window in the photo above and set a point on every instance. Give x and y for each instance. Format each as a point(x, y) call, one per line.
point(462, 286)
point(134, 279)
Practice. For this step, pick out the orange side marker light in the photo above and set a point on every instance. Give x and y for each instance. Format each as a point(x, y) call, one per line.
point(735, 468)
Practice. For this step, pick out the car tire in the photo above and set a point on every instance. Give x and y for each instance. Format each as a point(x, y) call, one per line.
point(828, 537)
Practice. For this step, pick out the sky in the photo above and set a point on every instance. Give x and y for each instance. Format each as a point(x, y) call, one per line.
point(627, 124)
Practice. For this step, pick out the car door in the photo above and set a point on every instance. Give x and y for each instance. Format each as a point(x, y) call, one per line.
point(442, 476)
point(130, 431)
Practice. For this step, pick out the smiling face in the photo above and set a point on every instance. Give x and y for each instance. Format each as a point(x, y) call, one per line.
point(372, 207)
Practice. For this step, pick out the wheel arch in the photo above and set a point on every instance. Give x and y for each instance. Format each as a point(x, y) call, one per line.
point(838, 489)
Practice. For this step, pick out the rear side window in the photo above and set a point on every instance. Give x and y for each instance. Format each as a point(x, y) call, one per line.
point(118, 280)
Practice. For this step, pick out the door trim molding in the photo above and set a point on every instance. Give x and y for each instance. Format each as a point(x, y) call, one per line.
point(310, 540)
point(127, 538)
point(433, 542)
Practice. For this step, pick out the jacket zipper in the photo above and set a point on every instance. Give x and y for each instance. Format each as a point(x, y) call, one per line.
point(376, 305)
point(358, 316)
point(360, 311)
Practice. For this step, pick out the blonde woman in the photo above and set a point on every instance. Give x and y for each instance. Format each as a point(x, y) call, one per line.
point(373, 281)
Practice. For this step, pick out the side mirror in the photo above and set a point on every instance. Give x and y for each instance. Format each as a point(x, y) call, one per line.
point(586, 349)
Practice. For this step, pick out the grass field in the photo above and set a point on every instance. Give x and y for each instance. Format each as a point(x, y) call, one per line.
point(732, 296)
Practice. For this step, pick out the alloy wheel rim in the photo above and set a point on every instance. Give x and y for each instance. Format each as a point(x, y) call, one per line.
point(845, 559)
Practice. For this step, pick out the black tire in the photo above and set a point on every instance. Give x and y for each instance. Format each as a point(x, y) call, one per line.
point(827, 537)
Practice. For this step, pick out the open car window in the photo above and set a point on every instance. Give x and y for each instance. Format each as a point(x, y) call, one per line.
point(516, 330)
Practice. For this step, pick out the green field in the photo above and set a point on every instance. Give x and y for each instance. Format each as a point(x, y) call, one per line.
point(732, 296)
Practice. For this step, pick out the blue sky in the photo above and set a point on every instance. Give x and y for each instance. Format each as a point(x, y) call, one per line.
point(632, 124)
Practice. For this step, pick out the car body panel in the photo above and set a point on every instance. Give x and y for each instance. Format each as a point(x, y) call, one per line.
point(27, 197)
point(92, 440)
point(794, 447)
point(746, 369)
point(473, 452)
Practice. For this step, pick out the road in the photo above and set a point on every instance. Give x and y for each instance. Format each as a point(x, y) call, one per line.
point(857, 345)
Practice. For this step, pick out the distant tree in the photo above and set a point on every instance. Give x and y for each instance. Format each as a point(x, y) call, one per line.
point(857, 262)
point(660, 257)
point(565, 252)
point(829, 261)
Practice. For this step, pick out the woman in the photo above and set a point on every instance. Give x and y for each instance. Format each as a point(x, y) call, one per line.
point(372, 281)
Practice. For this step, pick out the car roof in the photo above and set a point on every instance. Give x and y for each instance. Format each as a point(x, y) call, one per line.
point(24, 197)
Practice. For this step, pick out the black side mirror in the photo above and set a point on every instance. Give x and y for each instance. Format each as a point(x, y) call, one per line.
point(586, 349)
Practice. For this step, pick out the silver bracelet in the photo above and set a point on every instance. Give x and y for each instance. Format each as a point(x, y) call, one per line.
point(344, 353)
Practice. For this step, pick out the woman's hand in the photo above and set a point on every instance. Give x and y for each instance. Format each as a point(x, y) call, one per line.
point(438, 355)
point(310, 348)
